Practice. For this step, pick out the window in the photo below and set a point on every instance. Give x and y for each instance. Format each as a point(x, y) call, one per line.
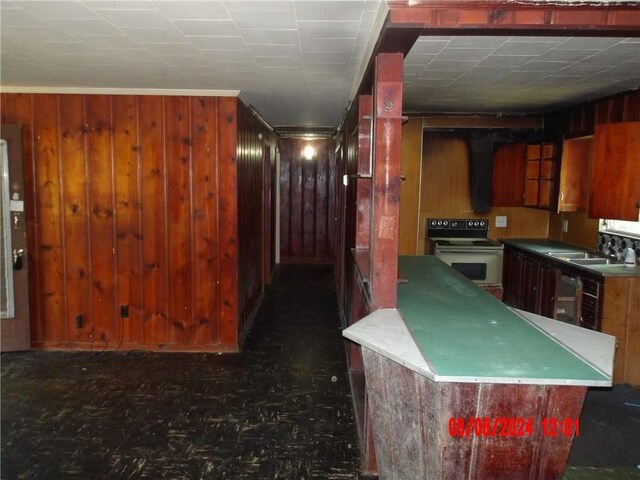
point(620, 227)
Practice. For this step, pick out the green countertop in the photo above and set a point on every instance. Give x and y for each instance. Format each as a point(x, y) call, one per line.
point(542, 245)
point(462, 331)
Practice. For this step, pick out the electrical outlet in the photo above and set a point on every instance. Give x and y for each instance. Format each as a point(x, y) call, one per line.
point(124, 311)
point(79, 321)
point(565, 226)
point(501, 221)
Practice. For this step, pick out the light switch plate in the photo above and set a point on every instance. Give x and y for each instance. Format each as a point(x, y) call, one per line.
point(565, 226)
point(501, 221)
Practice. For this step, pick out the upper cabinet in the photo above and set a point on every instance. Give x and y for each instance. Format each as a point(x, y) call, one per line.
point(574, 174)
point(508, 175)
point(540, 175)
point(615, 179)
point(524, 174)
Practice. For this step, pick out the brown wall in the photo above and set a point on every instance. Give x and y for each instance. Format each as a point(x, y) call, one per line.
point(307, 201)
point(254, 221)
point(130, 200)
point(443, 191)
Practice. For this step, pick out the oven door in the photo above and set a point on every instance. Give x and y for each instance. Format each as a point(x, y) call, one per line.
point(481, 266)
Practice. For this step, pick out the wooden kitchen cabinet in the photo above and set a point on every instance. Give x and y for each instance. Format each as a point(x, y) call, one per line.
point(508, 172)
point(615, 179)
point(575, 172)
point(524, 174)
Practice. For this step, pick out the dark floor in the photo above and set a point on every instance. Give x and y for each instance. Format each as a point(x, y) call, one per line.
point(281, 409)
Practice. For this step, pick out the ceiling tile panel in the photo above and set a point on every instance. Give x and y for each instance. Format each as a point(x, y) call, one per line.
point(329, 10)
point(261, 36)
point(155, 35)
point(59, 9)
point(313, 30)
point(190, 10)
point(211, 28)
point(275, 50)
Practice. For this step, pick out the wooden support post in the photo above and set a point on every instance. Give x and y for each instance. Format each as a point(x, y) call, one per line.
point(387, 127)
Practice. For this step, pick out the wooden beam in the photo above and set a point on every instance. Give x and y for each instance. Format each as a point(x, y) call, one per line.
point(387, 127)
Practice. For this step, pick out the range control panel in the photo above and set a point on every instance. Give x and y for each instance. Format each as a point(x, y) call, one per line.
point(458, 223)
point(457, 227)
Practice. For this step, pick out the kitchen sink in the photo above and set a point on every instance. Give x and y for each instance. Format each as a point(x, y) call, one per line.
point(570, 255)
point(594, 261)
point(583, 258)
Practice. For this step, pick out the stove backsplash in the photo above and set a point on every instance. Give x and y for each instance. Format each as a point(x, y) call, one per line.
point(614, 244)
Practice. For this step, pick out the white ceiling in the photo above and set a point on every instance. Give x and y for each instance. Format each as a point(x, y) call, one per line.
point(297, 62)
point(516, 74)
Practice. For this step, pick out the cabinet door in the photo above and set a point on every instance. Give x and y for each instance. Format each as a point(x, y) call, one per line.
point(615, 179)
point(530, 293)
point(508, 175)
point(549, 282)
point(511, 278)
point(574, 174)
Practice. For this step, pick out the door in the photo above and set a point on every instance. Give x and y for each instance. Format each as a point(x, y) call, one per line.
point(14, 291)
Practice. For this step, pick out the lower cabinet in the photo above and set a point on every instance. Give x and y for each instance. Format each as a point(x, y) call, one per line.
point(551, 290)
point(610, 304)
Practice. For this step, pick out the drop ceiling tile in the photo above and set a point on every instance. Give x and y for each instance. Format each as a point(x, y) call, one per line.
point(19, 17)
point(463, 54)
point(277, 62)
point(259, 5)
point(326, 45)
point(415, 59)
point(535, 66)
point(121, 5)
point(557, 55)
point(183, 60)
point(155, 35)
point(184, 10)
point(209, 28)
point(136, 18)
point(523, 48)
point(266, 19)
point(275, 50)
point(92, 26)
point(311, 30)
point(328, 10)
point(69, 48)
point(38, 34)
point(587, 43)
point(59, 10)
point(557, 80)
point(110, 42)
point(476, 42)
point(326, 67)
point(234, 44)
point(170, 48)
point(261, 36)
point(227, 55)
point(451, 66)
point(138, 56)
point(505, 60)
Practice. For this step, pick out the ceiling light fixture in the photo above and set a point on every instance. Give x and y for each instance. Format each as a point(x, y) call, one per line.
point(309, 152)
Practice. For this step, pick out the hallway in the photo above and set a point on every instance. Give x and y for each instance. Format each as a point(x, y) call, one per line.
point(272, 411)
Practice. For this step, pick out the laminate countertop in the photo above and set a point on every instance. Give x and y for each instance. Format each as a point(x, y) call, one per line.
point(540, 247)
point(450, 330)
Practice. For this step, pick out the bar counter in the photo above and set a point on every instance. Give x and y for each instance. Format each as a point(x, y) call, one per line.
point(462, 386)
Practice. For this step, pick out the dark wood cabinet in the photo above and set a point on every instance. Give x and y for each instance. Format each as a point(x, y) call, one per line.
point(508, 175)
point(615, 181)
point(524, 174)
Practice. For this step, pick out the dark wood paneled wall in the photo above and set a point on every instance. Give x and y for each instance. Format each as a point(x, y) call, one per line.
point(131, 200)
point(582, 119)
point(256, 152)
point(306, 204)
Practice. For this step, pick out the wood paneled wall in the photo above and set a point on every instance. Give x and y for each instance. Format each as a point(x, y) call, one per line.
point(307, 204)
point(443, 191)
point(256, 150)
point(131, 200)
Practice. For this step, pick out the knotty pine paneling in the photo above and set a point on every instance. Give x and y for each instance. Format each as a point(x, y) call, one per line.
point(305, 207)
point(131, 200)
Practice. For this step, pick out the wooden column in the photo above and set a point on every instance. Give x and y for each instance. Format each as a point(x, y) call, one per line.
point(385, 208)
